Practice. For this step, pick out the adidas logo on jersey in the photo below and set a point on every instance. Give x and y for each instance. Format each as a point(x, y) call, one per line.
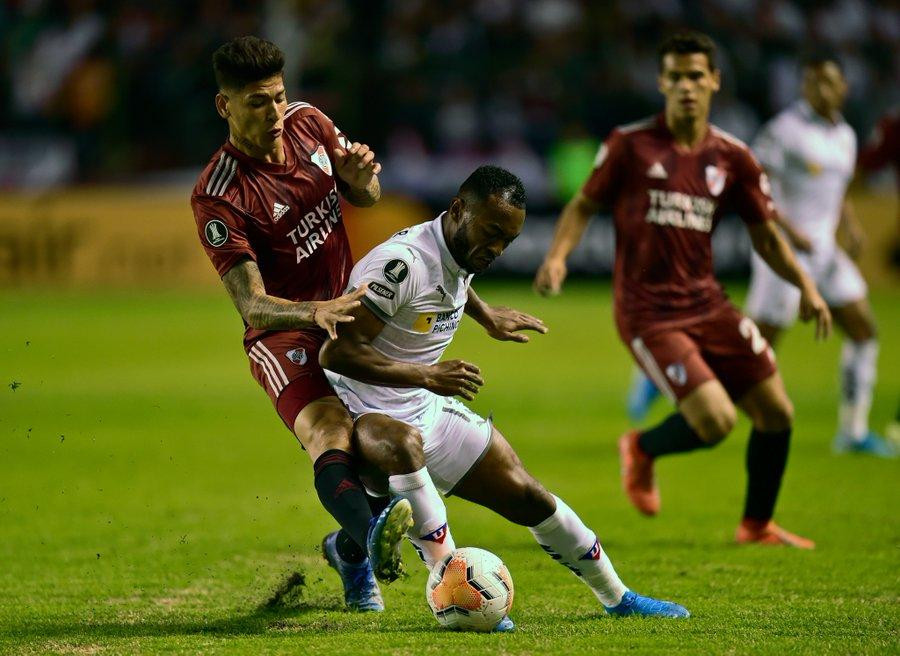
point(279, 210)
point(657, 171)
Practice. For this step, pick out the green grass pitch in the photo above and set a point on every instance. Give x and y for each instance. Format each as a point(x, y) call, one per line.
point(151, 501)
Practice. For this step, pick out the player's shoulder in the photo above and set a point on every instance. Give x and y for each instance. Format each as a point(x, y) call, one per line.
point(219, 178)
point(298, 113)
point(636, 129)
point(783, 124)
point(412, 246)
point(727, 141)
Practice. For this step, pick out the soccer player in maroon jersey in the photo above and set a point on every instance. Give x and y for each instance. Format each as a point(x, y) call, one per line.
point(667, 180)
point(269, 216)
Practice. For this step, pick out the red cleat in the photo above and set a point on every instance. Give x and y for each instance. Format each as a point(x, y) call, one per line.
point(755, 531)
point(637, 474)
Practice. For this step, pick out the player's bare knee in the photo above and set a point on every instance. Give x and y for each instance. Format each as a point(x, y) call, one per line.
point(714, 426)
point(330, 429)
point(409, 451)
point(775, 416)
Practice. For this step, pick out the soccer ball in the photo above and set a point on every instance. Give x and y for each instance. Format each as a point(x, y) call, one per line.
point(469, 589)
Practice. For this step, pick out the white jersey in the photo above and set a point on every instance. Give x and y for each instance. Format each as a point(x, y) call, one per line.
point(810, 162)
point(416, 287)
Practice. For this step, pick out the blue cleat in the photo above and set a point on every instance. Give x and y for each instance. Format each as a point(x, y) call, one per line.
point(504, 626)
point(386, 533)
point(641, 396)
point(360, 587)
point(634, 604)
point(872, 444)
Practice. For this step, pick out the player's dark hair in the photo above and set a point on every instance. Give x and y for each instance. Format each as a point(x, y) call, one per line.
point(244, 60)
point(688, 43)
point(488, 180)
point(819, 57)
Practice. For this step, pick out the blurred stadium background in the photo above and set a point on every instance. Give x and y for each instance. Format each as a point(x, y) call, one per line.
point(150, 500)
point(106, 110)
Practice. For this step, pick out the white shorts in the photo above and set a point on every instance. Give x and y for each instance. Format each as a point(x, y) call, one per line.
point(775, 301)
point(455, 439)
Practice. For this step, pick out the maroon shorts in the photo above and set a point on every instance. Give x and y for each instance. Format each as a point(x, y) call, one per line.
point(286, 365)
point(723, 344)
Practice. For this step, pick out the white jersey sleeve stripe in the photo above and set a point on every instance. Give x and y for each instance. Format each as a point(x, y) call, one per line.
point(293, 107)
point(222, 186)
point(216, 173)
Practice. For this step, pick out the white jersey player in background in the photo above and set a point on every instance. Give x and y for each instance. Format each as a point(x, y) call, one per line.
point(414, 437)
point(809, 152)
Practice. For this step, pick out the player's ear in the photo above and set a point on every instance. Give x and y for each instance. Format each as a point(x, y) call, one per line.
point(457, 205)
point(716, 79)
point(222, 105)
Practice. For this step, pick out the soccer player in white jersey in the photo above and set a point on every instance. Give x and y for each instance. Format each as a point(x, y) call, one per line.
point(809, 152)
point(409, 430)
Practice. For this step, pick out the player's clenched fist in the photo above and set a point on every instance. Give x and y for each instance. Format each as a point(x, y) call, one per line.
point(549, 278)
point(814, 307)
point(454, 378)
point(356, 165)
point(328, 314)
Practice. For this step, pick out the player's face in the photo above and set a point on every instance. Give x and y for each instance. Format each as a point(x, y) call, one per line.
point(255, 113)
point(483, 230)
point(688, 84)
point(825, 88)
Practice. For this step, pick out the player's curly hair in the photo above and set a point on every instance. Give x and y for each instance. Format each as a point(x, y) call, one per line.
point(244, 60)
point(488, 180)
point(688, 43)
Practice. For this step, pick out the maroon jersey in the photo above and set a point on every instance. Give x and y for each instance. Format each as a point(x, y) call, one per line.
point(286, 217)
point(883, 147)
point(666, 202)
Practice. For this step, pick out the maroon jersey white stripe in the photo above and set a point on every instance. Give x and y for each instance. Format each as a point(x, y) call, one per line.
point(286, 217)
point(666, 201)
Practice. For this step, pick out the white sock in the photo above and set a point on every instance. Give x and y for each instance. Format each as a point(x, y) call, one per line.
point(429, 534)
point(858, 372)
point(566, 539)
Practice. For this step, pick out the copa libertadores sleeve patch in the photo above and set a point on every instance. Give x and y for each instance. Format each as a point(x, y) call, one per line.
point(216, 232)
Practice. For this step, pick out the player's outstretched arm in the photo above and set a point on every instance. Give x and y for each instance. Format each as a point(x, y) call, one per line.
point(772, 247)
point(357, 169)
point(264, 312)
point(501, 322)
point(569, 230)
point(354, 356)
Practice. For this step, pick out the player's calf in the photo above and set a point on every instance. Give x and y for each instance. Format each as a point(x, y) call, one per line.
point(523, 501)
point(324, 427)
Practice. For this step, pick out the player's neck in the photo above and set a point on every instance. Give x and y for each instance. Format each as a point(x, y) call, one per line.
point(275, 155)
point(689, 131)
point(448, 239)
point(824, 114)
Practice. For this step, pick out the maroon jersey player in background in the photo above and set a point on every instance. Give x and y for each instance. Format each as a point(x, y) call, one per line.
point(269, 217)
point(668, 180)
